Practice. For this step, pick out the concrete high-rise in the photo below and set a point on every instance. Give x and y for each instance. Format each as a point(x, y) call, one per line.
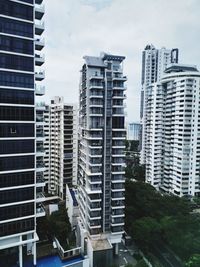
point(101, 156)
point(61, 125)
point(172, 135)
point(154, 62)
point(20, 33)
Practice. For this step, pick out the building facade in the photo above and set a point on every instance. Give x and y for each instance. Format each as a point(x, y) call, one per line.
point(172, 159)
point(63, 146)
point(133, 131)
point(20, 60)
point(154, 62)
point(101, 155)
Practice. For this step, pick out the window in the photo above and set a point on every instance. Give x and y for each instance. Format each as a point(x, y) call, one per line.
point(16, 179)
point(16, 62)
point(16, 27)
point(16, 113)
point(17, 146)
point(17, 163)
point(14, 79)
point(16, 227)
point(16, 130)
point(17, 10)
point(18, 45)
point(16, 96)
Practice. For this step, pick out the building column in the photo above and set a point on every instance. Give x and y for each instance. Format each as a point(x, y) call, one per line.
point(20, 256)
point(116, 249)
point(34, 254)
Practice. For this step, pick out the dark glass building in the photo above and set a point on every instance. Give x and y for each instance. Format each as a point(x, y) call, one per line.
point(20, 30)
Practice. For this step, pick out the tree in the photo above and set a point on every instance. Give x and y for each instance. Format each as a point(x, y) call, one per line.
point(146, 231)
point(59, 225)
point(194, 261)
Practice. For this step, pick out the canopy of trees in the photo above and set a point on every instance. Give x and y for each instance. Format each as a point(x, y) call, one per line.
point(152, 217)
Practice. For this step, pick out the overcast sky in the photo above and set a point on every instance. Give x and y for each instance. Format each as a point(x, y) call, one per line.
point(75, 28)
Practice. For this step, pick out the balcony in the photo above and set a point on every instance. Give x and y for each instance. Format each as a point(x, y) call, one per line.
point(39, 59)
point(119, 77)
point(39, 2)
point(40, 197)
point(40, 166)
point(39, 11)
point(39, 90)
point(96, 77)
point(40, 151)
point(39, 28)
point(40, 106)
point(39, 76)
point(40, 181)
point(39, 43)
point(40, 212)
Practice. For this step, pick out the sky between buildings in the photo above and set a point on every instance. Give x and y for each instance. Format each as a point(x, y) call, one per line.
point(75, 28)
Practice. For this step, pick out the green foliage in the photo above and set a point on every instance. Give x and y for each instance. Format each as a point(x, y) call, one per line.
point(141, 263)
point(194, 261)
point(59, 226)
point(152, 217)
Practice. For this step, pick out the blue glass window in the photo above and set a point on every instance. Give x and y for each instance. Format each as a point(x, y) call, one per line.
point(16, 62)
point(14, 44)
point(16, 27)
point(17, 10)
point(16, 96)
point(15, 79)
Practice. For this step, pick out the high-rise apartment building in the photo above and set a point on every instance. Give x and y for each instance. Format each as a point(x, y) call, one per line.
point(173, 133)
point(20, 37)
point(154, 62)
point(101, 155)
point(63, 146)
point(133, 131)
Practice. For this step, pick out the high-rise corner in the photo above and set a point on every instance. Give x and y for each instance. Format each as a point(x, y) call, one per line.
point(101, 156)
point(21, 27)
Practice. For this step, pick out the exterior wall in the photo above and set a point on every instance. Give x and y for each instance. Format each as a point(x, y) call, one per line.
point(63, 146)
point(154, 62)
point(133, 131)
point(172, 134)
point(101, 147)
point(20, 64)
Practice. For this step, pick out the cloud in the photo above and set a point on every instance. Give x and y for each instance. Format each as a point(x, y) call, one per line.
point(75, 28)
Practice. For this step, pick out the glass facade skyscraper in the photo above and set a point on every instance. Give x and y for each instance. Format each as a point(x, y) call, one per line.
point(20, 30)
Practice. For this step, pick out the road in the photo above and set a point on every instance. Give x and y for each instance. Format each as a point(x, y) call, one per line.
point(124, 257)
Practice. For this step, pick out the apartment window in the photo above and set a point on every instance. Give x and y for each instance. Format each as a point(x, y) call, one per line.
point(21, 194)
point(16, 179)
point(16, 96)
point(17, 163)
point(17, 10)
point(18, 45)
point(16, 62)
point(14, 79)
point(16, 130)
point(16, 227)
point(17, 211)
point(16, 27)
point(17, 146)
point(17, 113)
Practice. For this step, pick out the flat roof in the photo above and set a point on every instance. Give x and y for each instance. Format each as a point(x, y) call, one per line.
point(101, 244)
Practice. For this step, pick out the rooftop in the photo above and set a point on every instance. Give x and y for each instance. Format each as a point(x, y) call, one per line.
point(101, 244)
point(180, 68)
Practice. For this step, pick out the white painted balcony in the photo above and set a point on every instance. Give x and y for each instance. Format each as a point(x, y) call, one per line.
point(40, 212)
point(39, 90)
point(39, 27)
point(39, 11)
point(40, 197)
point(39, 76)
point(39, 43)
point(39, 59)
